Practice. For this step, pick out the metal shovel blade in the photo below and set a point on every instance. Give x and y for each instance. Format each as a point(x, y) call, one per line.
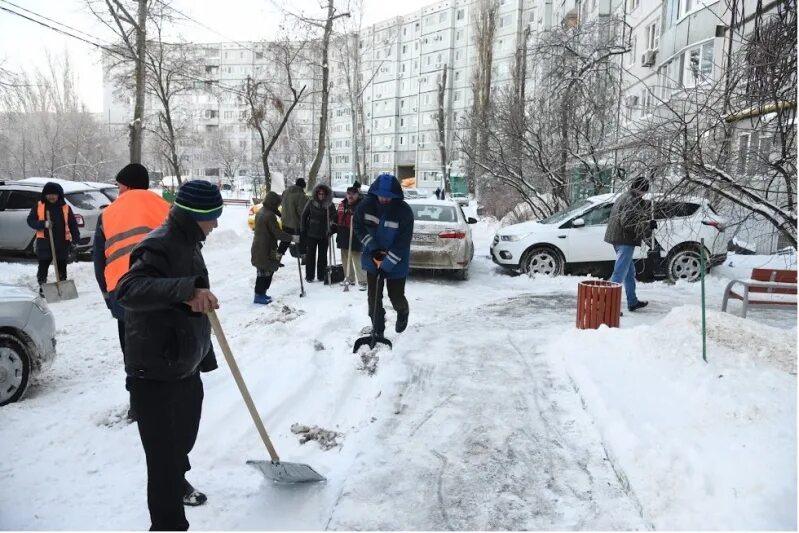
point(60, 290)
point(371, 341)
point(287, 472)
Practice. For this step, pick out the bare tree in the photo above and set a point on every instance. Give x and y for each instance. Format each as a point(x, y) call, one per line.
point(326, 25)
point(132, 34)
point(268, 110)
point(484, 24)
point(441, 122)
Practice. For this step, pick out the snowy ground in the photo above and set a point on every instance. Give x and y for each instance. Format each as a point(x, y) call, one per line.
point(491, 412)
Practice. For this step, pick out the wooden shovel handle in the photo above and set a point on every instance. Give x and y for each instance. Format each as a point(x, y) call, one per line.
point(234, 369)
point(52, 247)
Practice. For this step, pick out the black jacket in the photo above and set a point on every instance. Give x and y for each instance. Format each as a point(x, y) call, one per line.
point(318, 220)
point(164, 339)
point(43, 252)
point(629, 221)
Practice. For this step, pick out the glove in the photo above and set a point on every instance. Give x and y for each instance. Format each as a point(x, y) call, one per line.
point(653, 224)
point(378, 256)
point(46, 224)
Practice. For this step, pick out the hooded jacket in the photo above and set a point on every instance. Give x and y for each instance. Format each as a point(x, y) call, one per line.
point(629, 221)
point(264, 254)
point(385, 227)
point(318, 217)
point(58, 228)
point(164, 339)
point(293, 202)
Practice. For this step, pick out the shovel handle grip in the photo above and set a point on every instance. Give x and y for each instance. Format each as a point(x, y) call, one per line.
point(245, 393)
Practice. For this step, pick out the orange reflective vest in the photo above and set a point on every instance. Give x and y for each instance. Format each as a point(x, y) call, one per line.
point(128, 219)
point(41, 216)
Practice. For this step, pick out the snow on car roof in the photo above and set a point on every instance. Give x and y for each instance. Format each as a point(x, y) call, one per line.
point(427, 201)
point(68, 186)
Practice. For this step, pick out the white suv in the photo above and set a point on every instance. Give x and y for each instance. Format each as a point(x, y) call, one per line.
point(573, 240)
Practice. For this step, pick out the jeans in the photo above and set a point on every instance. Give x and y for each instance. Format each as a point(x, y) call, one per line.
point(624, 271)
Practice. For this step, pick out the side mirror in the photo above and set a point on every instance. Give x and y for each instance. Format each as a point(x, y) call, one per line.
point(578, 223)
point(471, 220)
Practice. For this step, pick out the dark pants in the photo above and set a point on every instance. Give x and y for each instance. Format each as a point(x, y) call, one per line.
point(396, 293)
point(284, 245)
point(263, 281)
point(169, 417)
point(316, 258)
point(44, 265)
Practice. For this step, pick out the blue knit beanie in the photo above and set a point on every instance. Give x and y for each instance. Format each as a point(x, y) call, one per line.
point(200, 199)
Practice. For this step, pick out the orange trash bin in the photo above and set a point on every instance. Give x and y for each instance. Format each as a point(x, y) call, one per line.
point(598, 302)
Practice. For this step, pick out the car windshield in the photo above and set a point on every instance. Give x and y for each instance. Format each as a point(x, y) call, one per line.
point(434, 213)
point(91, 200)
point(560, 216)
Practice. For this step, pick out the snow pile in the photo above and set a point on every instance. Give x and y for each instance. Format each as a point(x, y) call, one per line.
point(699, 443)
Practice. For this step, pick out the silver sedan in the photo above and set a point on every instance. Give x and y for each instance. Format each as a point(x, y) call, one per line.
point(442, 238)
point(27, 340)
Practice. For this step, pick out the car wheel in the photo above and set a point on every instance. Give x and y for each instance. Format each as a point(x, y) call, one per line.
point(462, 274)
point(542, 260)
point(684, 264)
point(15, 369)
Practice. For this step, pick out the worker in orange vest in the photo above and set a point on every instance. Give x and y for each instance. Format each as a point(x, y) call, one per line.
point(122, 225)
point(62, 225)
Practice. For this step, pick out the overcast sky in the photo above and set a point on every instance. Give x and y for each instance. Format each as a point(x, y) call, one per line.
point(23, 44)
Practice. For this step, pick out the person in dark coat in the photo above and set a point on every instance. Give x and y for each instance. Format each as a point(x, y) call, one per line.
point(292, 205)
point(264, 254)
point(350, 251)
point(166, 295)
point(316, 226)
point(628, 226)
point(384, 225)
point(438, 194)
point(63, 226)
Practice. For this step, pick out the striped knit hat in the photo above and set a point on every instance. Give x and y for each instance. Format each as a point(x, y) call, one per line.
point(201, 199)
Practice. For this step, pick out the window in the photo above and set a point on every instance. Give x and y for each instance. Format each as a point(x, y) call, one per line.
point(666, 210)
point(458, 35)
point(442, 17)
point(633, 51)
point(87, 199)
point(23, 199)
point(402, 140)
point(460, 14)
point(376, 158)
point(505, 20)
point(228, 114)
point(457, 95)
point(457, 75)
point(404, 48)
point(653, 35)
point(632, 5)
point(457, 55)
point(697, 65)
point(598, 216)
point(242, 144)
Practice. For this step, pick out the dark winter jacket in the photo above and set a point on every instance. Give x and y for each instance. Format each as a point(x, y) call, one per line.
point(629, 221)
point(317, 218)
point(164, 339)
point(344, 215)
point(293, 202)
point(385, 227)
point(56, 212)
point(264, 254)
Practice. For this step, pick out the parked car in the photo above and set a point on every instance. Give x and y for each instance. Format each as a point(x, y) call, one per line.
point(461, 197)
point(412, 194)
point(572, 241)
point(27, 340)
point(17, 198)
point(442, 238)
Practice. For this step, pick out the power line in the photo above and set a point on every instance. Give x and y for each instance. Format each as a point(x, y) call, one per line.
point(115, 52)
point(50, 20)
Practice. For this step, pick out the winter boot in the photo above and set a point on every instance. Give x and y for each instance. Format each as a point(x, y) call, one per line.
point(191, 496)
point(280, 261)
point(402, 321)
point(262, 299)
point(637, 305)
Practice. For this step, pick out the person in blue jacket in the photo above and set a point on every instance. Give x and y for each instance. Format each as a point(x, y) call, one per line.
point(384, 225)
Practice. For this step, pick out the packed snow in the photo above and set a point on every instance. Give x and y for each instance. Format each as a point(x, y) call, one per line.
point(491, 412)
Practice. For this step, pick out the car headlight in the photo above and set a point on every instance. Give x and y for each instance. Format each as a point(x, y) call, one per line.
point(41, 304)
point(513, 238)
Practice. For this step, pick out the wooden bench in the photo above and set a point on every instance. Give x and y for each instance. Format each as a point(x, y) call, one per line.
point(767, 287)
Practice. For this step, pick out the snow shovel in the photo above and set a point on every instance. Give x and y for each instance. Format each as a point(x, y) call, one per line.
point(349, 260)
point(373, 338)
point(299, 269)
point(60, 290)
point(276, 470)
